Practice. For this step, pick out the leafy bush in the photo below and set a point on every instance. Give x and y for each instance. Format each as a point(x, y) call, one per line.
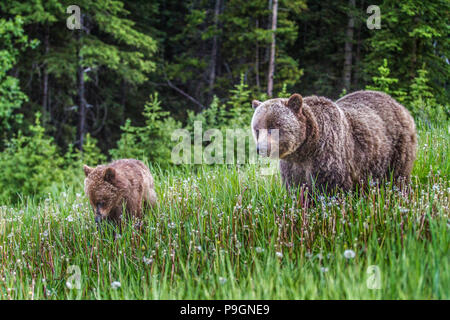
point(12, 42)
point(422, 102)
point(382, 82)
point(153, 140)
point(419, 99)
point(30, 164)
point(240, 111)
point(236, 113)
point(74, 159)
point(33, 165)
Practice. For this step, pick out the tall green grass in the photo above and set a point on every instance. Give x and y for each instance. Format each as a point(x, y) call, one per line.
point(231, 233)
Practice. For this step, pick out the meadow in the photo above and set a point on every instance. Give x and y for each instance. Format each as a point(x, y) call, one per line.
point(228, 232)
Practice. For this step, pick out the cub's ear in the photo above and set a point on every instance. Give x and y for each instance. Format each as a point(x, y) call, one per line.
point(295, 102)
point(87, 170)
point(110, 175)
point(255, 104)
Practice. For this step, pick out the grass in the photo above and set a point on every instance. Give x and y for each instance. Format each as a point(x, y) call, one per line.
point(231, 233)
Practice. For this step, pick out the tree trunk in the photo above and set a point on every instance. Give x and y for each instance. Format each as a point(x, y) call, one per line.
point(269, 26)
point(45, 74)
point(80, 92)
point(413, 68)
point(356, 68)
point(347, 74)
point(272, 49)
point(258, 84)
point(212, 74)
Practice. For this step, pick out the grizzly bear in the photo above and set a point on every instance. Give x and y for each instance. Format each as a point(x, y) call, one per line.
point(336, 145)
point(125, 183)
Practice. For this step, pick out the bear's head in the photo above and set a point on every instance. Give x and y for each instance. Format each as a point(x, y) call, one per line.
point(104, 187)
point(279, 126)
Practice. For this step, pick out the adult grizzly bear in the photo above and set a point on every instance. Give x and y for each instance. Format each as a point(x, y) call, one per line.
point(336, 145)
point(123, 183)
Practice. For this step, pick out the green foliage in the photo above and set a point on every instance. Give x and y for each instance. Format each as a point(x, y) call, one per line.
point(30, 165)
point(283, 93)
point(419, 98)
point(422, 101)
point(413, 33)
point(90, 155)
point(235, 113)
point(215, 116)
point(13, 41)
point(386, 84)
point(109, 47)
point(240, 110)
point(151, 141)
point(33, 164)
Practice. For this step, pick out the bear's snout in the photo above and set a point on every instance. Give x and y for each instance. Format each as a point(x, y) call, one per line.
point(98, 218)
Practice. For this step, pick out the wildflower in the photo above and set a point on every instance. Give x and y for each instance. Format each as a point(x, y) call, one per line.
point(279, 254)
point(222, 280)
point(69, 218)
point(259, 249)
point(147, 260)
point(323, 269)
point(349, 254)
point(115, 285)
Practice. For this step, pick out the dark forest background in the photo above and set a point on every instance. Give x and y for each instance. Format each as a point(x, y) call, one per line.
point(136, 70)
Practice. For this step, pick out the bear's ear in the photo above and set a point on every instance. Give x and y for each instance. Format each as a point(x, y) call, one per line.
point(255, 104)
point(87, 170)
point(110, 175)
point(295, 102)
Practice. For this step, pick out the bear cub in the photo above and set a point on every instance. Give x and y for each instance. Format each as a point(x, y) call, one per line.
point(125, 183)
point(336, 145)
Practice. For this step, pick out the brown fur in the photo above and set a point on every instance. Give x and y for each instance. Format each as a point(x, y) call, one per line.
point(329, 145)
point(123, 183)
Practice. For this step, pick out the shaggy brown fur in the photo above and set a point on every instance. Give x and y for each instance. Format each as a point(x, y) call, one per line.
point(329, 145)
point(123, 183)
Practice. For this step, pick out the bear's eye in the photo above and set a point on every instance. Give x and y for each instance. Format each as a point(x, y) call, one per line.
point(100, 204)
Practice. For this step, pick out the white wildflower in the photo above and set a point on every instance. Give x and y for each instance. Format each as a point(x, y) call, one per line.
point(259, 249)
point(222, 280)
point(349, 254)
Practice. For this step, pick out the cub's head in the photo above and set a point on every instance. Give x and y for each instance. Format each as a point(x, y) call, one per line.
point(278, 126)
point(104, 188)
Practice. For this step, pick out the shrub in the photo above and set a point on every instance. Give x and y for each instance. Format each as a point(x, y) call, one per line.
point(422, 102)
point(382, 82)
point(153, 140)
point(30, 165)
point(13, 40)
